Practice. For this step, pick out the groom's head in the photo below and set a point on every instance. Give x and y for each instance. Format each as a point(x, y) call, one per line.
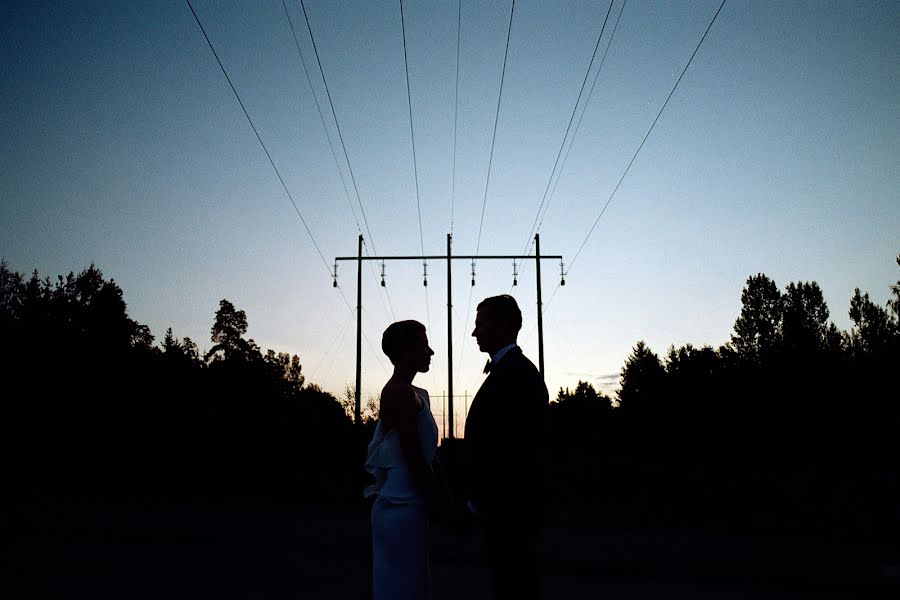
point(497, 323)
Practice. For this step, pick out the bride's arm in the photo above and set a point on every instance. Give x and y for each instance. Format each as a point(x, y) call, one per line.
point(398, 412)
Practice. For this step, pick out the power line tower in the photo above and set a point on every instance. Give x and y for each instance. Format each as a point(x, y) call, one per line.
point(449, 257)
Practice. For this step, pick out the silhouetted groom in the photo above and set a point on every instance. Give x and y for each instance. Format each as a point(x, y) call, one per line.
point(504, 443)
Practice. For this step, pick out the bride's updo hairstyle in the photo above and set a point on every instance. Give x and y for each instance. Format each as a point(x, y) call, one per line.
point(398, 336)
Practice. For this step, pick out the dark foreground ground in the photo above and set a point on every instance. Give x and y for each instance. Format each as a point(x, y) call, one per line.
point(79, 548)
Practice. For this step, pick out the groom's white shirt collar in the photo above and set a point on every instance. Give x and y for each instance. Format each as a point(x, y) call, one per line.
point(501, 353)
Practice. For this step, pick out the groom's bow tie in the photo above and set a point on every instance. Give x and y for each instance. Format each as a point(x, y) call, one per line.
point(487, 367)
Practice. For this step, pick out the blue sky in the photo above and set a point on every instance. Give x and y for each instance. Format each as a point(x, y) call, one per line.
point(778, 153)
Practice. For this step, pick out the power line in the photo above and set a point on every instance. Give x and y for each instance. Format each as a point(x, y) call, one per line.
point(384, 288)
point(581, 116)
point(321, 115)
point(455, 111)
point(631, 162)
point(496, 119)
point(258, 137)
point(412, 136)
point(388, 296)
point(577, 124)
point(543, 311)
point(368, 342)
point(412, 133)
point(331, 144)
point(453, 176)
point(487, 182)
point(556, 289)
point(272, 162)
point(462, 345)
point(337, 123)
point(332, 346)
point(568, 127)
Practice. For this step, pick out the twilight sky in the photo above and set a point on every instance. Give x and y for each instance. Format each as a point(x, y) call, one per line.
point(124, 145)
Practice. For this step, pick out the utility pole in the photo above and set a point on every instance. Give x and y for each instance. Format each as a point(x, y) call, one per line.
point(540, 311)
point(357, 414)
point(449, 335)
point(359, 258)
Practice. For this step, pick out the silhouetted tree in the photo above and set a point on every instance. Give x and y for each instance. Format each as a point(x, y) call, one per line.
point(184, 352)
point(373, 409)
point(692, 379)
point(796, 403)
point(227, 335)
point(577, 418)
point(112, 411)
point(642, 379)
point(805, 315)
point(11, 293)
point(686, 366)
point(285, 368)
point(874, 328)
point(584, 400)
point(323, 403)
point(757, 331)
point(894, 303)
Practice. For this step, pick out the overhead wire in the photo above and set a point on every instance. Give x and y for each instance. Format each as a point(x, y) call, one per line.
point(258, 137)
point(337, 123)
point(386, 293)
point(463, 334)
point(412, 135)
point(455, 113)
point(568, 127)
point(368, 342)
point(496, 120)
point(581, 116)
point(271, 161)
point(530, 241)
point(512, 11)
point(321, 114)
point(327, 372)
point(412, 132)
point(631, 162)
point(335, 342)
point(655, 120)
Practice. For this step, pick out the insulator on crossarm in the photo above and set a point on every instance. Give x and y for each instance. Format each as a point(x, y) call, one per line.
point(515, 274)
point(562, 273)
point(382, 274)
point(334, 277)
point(425, 274)
point(473, 273)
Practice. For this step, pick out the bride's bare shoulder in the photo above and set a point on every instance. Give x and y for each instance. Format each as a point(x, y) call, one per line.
point(397, 394)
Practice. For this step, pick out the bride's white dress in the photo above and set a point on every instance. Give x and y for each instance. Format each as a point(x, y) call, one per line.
point(399, 521)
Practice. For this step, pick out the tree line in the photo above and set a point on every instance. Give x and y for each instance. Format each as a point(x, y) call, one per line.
point(99, 407)
point(788, 426)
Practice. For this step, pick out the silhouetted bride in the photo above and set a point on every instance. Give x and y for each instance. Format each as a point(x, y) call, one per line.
point(400, 457)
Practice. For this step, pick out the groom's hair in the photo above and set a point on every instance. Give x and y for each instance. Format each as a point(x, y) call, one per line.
point(503, 308)
point(399, 335)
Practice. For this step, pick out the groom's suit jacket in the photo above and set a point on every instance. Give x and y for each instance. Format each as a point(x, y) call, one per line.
point(505, 441)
